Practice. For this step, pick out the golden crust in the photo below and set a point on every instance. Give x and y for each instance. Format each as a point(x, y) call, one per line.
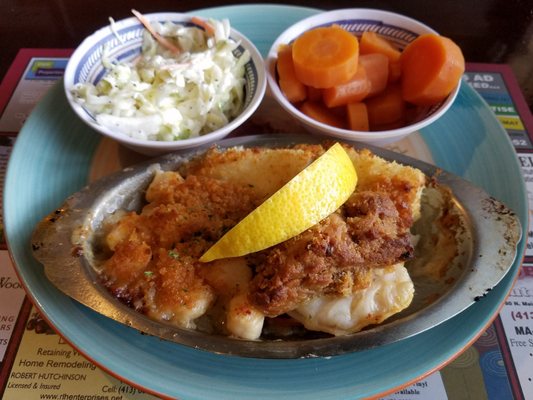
point(189, 210)
point(403, 183)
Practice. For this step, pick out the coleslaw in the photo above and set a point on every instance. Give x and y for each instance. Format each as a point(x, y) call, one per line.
point(167, 95)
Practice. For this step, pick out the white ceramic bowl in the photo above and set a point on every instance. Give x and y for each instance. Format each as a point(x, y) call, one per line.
point(85, 66)
point(396, 28)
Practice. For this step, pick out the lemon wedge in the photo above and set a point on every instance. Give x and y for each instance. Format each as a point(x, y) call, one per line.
point(313, 194)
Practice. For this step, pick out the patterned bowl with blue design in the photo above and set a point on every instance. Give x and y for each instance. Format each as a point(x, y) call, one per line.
point(397, 29)
point(122, 42)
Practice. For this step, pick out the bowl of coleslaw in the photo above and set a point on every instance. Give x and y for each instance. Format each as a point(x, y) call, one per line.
point(162, 82)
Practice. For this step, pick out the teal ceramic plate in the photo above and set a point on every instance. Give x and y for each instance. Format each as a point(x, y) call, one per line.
point(51, 160)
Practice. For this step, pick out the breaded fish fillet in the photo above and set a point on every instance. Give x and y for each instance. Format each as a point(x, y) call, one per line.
point(336, 257)
point(155, 268)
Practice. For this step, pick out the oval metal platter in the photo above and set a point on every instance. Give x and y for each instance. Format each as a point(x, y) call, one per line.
point(65, 241)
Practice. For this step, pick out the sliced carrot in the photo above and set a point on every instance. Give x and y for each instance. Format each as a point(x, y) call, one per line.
point(392, 125)
point(414, 113)
point(340, 112)
point(321, 113)
point(163, 41)
point(357, 114)
point(387, 107)
point(376, 66)
point(207, 27)
point(371, 42)
point(353, 91)
point(325, 57)
point(432, 66)
point(395, 71)
point(294, 90)
point(314, 94)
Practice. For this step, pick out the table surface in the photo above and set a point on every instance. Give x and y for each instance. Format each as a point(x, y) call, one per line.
point(488, 31)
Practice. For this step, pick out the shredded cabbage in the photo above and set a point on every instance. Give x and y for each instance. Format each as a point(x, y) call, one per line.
point(166, 97)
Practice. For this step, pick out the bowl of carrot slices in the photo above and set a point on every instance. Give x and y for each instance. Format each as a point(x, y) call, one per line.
point(361, 74)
